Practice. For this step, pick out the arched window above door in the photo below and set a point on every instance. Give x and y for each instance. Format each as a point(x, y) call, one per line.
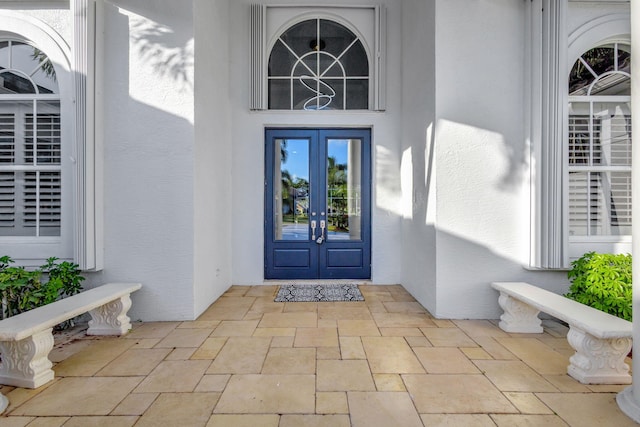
point(318, 64)
point(309, 58)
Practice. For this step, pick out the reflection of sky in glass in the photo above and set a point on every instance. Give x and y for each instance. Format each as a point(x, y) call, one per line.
point(297, 162)
point(338, 148)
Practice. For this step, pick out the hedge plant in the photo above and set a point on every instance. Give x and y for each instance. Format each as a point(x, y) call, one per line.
point(22, 289)
point(603, 281)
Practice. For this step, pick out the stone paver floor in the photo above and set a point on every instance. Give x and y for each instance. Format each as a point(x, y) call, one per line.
point(248, 361)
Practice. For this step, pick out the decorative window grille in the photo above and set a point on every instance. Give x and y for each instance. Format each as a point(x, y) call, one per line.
point(318, 64)
point(306, 58)
point(599, 144)
point(30, 143)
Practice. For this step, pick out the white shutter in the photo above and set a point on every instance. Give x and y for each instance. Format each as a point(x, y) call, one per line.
point(7, 179)
point(42, 189)
point(599, 175)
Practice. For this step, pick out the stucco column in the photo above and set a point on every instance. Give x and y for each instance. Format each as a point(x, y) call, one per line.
point(629, 399)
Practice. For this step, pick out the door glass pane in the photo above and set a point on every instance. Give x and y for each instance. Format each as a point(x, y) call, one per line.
point(291, 189)
point(344, 197)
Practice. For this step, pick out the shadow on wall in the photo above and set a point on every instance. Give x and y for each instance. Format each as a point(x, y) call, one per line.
point(478, 231)
point(155, 44)
point(167, 50)
point(465, 271)
point(148, 169)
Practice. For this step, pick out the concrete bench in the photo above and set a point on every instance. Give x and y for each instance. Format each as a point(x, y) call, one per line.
point(601, 341)
point(27, 338)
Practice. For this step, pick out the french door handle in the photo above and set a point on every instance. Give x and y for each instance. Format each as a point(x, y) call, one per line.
point(313, 229)
point(323, 226)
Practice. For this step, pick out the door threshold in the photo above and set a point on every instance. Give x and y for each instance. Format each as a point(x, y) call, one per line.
point(318, 282)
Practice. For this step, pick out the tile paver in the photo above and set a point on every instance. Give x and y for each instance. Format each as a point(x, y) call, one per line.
point(382, 409)
point(134, 362)
point(456, 420)
point(240, 355)
point(110, 421)
point(179, 409)
point(248, 361)
point(391, 355)
point(263, 394)
point(80, 396)
point(178, 376)
point(462, 394)
point(344, 375)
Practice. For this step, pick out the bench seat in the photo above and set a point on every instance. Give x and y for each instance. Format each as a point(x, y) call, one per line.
point(27, 338)
point(601, 341)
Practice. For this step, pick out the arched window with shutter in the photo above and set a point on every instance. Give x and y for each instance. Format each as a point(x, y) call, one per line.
point(30, 143)
point(599, 146)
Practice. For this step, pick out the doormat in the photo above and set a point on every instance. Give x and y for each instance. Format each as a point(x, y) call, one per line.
point(318, 293)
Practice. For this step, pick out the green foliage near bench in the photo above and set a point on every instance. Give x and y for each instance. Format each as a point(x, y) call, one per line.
point(603, 281)
point(22, 290)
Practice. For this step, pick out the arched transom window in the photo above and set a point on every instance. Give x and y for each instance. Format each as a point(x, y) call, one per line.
point(30, 142)
point(318, 64)
point(599, 152)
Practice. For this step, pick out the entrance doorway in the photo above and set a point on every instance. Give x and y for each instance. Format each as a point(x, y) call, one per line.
point(318, 204)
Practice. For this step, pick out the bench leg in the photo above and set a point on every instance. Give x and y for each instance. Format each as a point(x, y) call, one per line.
point(518, 316)
point(26, 363)
point(598, 361)
point(111, 318)
point(4, 402)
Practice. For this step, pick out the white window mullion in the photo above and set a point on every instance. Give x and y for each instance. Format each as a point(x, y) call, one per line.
point(37, 203)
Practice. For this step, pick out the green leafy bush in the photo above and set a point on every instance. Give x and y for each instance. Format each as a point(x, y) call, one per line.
point(603, 281)
point(22, 290)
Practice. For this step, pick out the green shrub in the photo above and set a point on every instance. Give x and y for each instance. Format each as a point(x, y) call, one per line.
point(22, 290)
point(603, 281)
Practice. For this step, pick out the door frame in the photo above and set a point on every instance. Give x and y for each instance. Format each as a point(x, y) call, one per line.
point(331, 253)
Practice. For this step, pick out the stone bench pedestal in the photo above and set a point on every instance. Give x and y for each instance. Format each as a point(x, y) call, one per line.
point(27, 338)
point(601, 341)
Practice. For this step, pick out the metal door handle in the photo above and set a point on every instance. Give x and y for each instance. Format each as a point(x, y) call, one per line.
point(323, 226)
point(313, 229)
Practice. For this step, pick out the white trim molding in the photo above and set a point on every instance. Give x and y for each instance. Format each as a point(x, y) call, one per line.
point(547, 93)
point(29, 251)
point(629, 399)
point(88, 33)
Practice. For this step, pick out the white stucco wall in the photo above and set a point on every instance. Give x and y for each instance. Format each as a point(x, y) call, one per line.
point(149, 155)
point(419, 266)
point(212, 183)
point(56, 14)
point(482, 160)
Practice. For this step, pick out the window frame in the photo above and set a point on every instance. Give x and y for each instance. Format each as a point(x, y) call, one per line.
point(577, 245)
point(269, 22)
point(32, 251)
point(550, 52)
point(325, 93)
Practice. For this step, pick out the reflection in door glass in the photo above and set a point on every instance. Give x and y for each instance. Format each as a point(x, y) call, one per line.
point(344, 197)
point(291, 189)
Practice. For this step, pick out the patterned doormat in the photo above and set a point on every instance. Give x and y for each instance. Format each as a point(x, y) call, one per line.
point(316, 293)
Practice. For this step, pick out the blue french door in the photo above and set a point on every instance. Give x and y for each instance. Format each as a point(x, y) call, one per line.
point(318, 204)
